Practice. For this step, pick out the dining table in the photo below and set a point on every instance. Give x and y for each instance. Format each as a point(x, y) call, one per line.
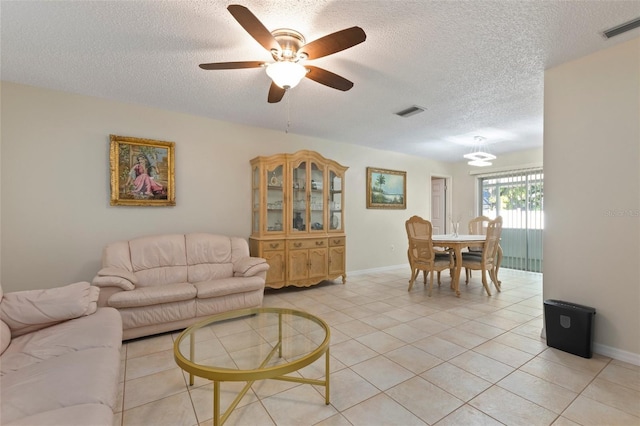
point(457, 243)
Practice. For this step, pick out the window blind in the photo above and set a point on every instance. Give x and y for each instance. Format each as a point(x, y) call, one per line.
point(517, 196)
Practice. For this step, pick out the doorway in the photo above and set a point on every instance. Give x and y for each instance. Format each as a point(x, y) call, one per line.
point(439, 201)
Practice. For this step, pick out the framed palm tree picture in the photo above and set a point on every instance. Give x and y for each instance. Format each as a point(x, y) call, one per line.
point(386, 189)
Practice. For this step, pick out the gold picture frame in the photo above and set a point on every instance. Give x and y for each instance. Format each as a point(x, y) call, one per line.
point(386, 189)
point(142, 172)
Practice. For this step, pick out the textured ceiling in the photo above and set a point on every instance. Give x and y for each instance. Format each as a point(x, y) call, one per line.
point(476, 66)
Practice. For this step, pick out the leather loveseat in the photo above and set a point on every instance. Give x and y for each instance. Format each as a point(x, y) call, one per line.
point(59, 357)
point(168, 282)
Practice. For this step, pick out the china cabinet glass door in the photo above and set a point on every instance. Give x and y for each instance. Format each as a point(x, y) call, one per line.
point(255, 195)
point(335, 201)
point(316, 198)
point(275, 198)
point(299, 198)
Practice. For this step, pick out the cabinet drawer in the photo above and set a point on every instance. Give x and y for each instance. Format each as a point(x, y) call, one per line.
point(307, 244)
point(273, 245)
point(336, 241)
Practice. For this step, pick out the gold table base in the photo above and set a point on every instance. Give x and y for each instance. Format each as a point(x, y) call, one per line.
point(218, 375)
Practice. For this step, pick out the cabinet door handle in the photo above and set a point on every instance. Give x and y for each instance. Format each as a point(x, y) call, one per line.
point(297, 245)
point(336, 241)
point(274, 245)
point(319, 243)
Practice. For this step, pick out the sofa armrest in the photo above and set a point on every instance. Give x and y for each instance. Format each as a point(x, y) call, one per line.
point(110, 285)
point(249, 266)
point(31, 310)
point(115, 277)
point(117, 272)
point(99, 281)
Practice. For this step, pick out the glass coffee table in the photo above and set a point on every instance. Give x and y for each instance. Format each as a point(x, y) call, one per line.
point(253, 344)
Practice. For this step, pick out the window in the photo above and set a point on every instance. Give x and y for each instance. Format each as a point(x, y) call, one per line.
point(518, 197)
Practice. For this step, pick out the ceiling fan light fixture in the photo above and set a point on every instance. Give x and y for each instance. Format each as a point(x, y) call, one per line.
point(289, 48)
point(286, 74)
point(290, 42)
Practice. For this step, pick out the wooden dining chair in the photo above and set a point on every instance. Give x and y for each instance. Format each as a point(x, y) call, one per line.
point(421, 253)
point(422, 228)
point(487, 261)
point(477, 226)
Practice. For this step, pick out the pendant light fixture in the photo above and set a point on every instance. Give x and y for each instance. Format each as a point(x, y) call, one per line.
point(478, 157)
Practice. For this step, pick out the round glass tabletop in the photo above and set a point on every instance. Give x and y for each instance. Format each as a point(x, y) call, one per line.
point(251, 344)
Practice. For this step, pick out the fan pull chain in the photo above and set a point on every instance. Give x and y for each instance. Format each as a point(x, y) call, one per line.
point(288, 112)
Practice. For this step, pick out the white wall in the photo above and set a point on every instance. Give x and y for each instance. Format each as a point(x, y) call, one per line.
point(592, 192)
point(55, 212)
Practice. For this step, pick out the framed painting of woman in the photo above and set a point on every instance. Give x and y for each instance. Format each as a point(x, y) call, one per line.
point(142, 172)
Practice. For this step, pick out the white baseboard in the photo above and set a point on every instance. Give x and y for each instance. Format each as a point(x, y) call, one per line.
point(608, 351)
point(616, 353)
point(381, 269)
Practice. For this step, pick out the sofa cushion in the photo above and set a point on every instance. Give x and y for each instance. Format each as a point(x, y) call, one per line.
point(82, 377)
point(5, 337)
point(209, 271)
point(76, 415)
point(230, 302)
point(159, 259)
point(207, 248)
point(5, 331)
point(117, 255)
point(26, 311)
point(239, 248)
point(144, 316)
point(154, 295)
point(157, 251)
point(69, 336)
point(208, 256)
point(223, 287)
point(161, 276)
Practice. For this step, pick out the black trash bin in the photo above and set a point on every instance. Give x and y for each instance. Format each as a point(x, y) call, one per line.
point(569, 327)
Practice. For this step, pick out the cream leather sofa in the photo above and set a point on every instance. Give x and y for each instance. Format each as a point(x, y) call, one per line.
point(168, 282)
point(60, 357)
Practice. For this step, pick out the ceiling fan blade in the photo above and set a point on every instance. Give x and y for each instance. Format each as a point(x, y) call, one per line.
point(334, 42)
point(231, 65)
point(328, 78)
point(253, 26)
point(275, 93)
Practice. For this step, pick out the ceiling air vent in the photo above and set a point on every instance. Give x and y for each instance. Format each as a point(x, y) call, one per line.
point(410, 111)
point(628, 26)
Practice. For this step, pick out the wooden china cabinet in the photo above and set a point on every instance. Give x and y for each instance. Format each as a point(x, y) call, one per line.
point(298, 218)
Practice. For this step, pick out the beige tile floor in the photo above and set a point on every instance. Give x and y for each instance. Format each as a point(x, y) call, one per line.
point(402, 358)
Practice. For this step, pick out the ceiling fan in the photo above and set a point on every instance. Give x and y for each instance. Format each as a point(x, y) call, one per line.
point(289, 50)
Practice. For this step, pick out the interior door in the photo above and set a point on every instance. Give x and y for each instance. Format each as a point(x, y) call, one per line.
point(438, 205)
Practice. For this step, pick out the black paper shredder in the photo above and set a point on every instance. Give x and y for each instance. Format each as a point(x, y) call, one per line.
point(569, 327)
